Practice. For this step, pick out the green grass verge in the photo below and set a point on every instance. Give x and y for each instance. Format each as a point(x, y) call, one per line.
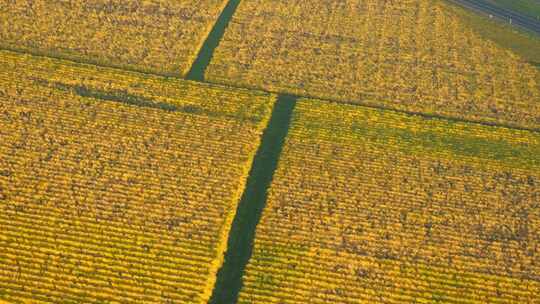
point(530, 8)
point(524, 44)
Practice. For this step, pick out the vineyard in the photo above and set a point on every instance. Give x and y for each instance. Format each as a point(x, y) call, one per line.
point(267, 151)
point(162, 37)
point(370, 205)
point(414, 55)
point(117, 186)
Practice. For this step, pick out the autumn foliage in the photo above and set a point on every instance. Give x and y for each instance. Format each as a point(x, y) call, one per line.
point(413, 55)
point(117, 186)
point(374, 206)
point(162, 37)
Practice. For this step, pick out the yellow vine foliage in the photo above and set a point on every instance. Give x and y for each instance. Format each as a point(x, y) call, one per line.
point(378, 207)
point(411, 55)
point(153, 36)
point(117, 187)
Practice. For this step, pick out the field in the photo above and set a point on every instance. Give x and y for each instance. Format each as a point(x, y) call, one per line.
point(117, 186)
point(414, 56)
point(376, 206)
point(268, 151)
point(162, 37)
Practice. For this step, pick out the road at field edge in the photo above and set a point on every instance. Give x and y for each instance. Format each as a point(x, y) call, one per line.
point(508, 16)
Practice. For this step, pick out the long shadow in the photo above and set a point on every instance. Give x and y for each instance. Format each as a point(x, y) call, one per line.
point(196, 73)
point(248, 214)
point(123, 96)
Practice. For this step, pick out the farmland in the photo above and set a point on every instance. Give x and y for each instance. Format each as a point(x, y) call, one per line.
point(267, 151)
point(162, 37)
point(117, 186)
point(414, 56)
point(382, 207)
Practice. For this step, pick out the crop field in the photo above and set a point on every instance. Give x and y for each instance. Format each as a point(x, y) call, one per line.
point(162, 37)
point(415, 56)
point(115, 186)
point(269, 152)
point(381, 207)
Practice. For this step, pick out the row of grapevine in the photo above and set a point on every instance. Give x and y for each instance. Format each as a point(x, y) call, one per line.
point(373, 206)
point(117, 186)
point(162, 37)
point(413, 55)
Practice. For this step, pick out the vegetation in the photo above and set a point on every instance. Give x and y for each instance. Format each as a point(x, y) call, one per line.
point(415, 56)
point(526, 45)
point(117, 186)
point(123, 186)
point(530, 8)
point(152, 36)
point(375, 206)
point(204, 57)
point(240, 243)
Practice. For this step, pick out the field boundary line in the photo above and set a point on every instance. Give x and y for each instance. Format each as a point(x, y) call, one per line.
point(206, 50)
point(252, 203)
point(307, 96)
point(80, 60)
point(387, 108)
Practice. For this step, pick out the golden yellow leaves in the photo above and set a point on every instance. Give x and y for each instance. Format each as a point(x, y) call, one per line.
point(159, 37)
point(394, 208)
point(408, 55)
point(120, 186)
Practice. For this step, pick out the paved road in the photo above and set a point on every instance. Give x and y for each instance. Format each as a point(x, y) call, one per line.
point(508, 16)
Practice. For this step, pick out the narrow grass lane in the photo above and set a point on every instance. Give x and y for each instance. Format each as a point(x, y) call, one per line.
point(198, 68)
point(242, 234)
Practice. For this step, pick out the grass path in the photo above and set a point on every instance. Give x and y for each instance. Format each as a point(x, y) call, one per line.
point(248, 214)
point(212, 41)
